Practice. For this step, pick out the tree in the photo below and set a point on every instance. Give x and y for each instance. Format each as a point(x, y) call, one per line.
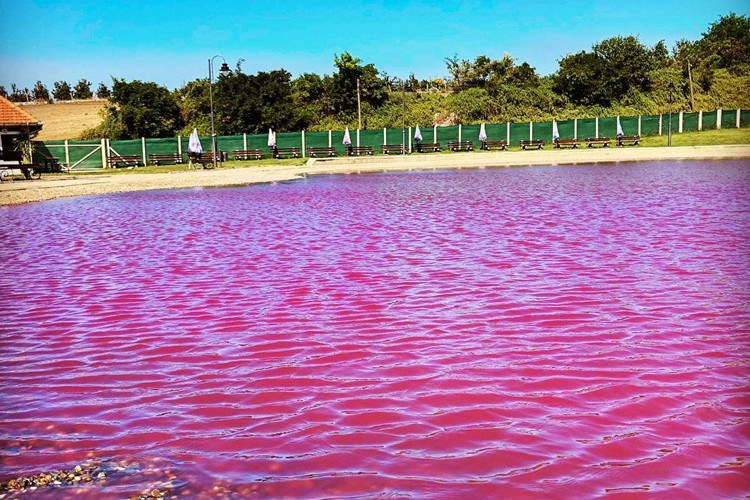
point(373, 90)
point(140, 109)
point(40, 92)
point(82, 90)
point(3, 92)
point(61, 91)
point(727, 42)
point(255, 103)
point(613, 68)
point(103, 91)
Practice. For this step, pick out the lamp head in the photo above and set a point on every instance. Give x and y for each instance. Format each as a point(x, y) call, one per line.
point(224, 71)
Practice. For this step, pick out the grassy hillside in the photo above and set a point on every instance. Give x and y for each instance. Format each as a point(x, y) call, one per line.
point(66, 120)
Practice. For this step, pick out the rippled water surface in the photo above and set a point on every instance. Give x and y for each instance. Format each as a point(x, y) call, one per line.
point(541, 331)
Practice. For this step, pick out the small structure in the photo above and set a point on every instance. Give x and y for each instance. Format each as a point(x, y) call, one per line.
point(16, 126)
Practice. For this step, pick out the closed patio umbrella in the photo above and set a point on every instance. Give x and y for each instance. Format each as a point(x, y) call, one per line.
point(271, 138)
point(482, 133)
point(620, 133)
point(347, 139)
point(555, 131)
point(194, 143)
point(417, 134)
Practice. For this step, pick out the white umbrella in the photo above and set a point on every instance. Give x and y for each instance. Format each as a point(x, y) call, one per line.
point(347, 140)
point(620, 133)
point(194, 143)
point(271, 138)
point(482, 133)
point(555, 132)
point(417, 134)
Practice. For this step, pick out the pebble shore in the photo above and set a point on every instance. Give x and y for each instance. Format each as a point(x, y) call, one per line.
point(19, 191)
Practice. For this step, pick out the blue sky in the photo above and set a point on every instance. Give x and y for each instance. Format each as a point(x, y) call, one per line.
point(170, 42)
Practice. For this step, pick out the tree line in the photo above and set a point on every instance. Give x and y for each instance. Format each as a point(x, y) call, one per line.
point(617, 76)
point(61, 91)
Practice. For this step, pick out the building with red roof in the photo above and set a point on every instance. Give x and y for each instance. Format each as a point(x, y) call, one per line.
point(15, 124)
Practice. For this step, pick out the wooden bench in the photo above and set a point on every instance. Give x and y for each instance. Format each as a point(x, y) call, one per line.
point(461, 146)
point(532, 144)
point(487, 145)
point(358, 150)
point(13, 160)
point(165, 159)
point(566, 143)
point(316, 152)
point(279, 153)
point(600, 141)
point(206, 160)
point(247, 154)
point(388, 149)
point(50, 164)
point(427, 147)
point(628, 140)
point(125, 161)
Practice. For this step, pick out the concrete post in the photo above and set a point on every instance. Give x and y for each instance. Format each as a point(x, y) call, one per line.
point(679, 125)
point(507, 133)
point(660, 120)
point(244, 141)
point(575, 128)
point(357, 137)
point(105, 152)
point(639, 126)
point(304, 150)
point(143, 149)
point(67, 154)
point(179, 145)
point(596, 126)
point(718, 119)
point(459, 132)
point(330, 139)
point(700, 120)
point(738, 118)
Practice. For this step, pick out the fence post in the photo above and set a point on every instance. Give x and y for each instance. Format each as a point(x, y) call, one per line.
point(596, 126)
point(639, 126)
point(384, 136)
point(718, 119)
point(738, 118)
point(531, 131)
point(507, 133)
point(357, 137)
point(67, 154)
point(434, 133)
point(244, 141)
point(179, 145)
point(330, 139)
point(660, 123)
point(143, 149)
point(408, 139)
point(105, 152)
point(679, 126)
point(459, 132)
point(575, 128)
point(700, 120)
point(303, 144)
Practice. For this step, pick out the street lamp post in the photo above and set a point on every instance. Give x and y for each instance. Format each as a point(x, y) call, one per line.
point(403, 117)
point(224, 71)
point(669, 127)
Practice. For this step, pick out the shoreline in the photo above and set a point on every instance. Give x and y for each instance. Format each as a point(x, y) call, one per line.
point(49, 188)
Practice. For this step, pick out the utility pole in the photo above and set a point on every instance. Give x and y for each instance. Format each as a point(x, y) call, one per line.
point(359, 106)
point(690, 79)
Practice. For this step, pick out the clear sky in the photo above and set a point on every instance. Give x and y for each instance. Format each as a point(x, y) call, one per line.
point(170, 42)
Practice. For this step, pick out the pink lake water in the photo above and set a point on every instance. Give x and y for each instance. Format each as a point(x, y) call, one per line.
point(560, 331)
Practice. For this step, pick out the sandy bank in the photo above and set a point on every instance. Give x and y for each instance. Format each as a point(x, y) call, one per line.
point(22, 191)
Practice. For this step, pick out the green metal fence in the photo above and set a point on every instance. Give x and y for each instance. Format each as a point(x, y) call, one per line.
point(92, 153)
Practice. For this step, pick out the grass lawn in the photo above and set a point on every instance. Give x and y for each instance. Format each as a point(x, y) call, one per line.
point(703, 138)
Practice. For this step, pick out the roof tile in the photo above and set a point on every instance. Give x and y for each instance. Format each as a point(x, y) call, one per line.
point(10, 113)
